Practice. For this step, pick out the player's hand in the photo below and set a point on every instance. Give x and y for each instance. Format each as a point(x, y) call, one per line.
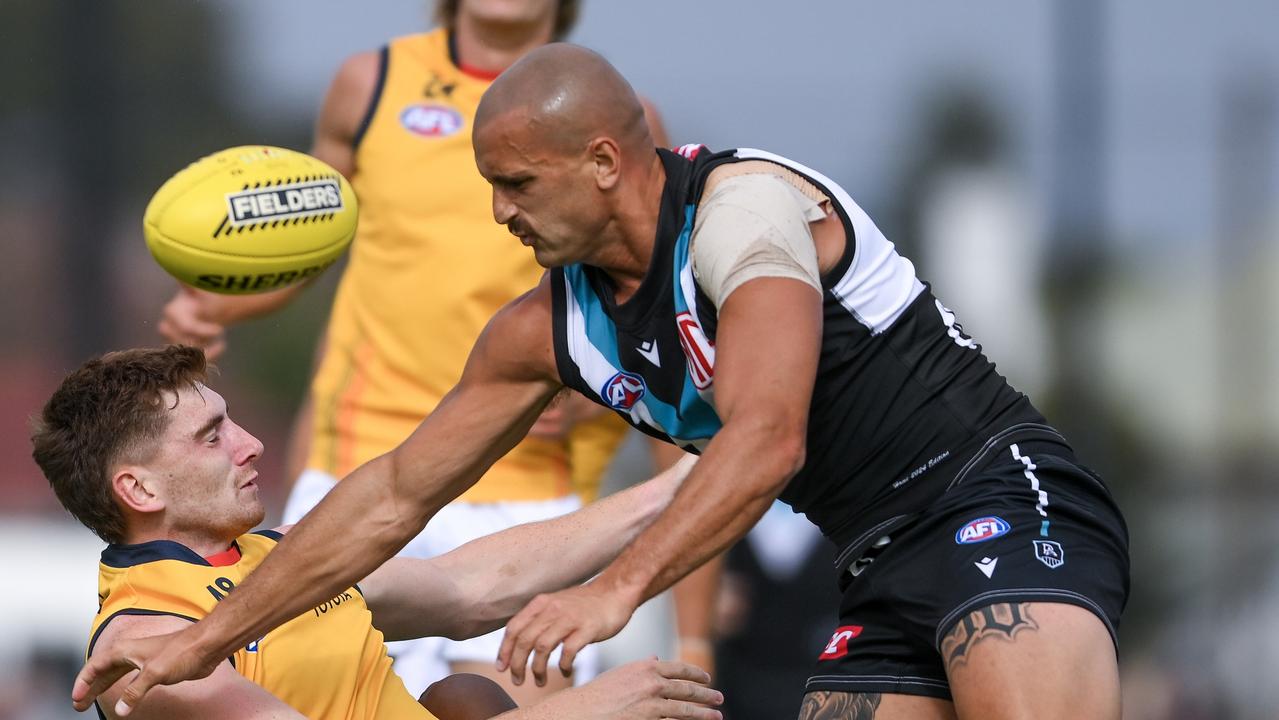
point(644, 690)
point(575, 617)
point(185, 320)
point(699, 652)
point(161, 660)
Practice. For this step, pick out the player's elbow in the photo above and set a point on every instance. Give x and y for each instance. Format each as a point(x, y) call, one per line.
point(791, 449)
point(780, 450)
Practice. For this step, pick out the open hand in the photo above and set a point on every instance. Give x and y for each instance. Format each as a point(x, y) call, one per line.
point(161, 660)
point(575, 617)
point(644, 690)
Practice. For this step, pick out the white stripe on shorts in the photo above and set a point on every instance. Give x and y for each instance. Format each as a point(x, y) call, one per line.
point(1034, 481)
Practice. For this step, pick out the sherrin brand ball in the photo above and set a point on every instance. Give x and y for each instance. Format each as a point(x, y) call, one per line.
point(250, 219)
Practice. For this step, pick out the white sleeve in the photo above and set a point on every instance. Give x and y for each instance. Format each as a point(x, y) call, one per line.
point(752, 226)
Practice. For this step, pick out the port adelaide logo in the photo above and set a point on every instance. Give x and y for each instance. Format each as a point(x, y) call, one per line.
point(981, 530)
point(289, 201)
point(1050, 553)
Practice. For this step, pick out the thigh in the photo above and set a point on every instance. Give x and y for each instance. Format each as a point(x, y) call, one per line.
point(1041, 533)
point(1032, 659)
point(835, 705)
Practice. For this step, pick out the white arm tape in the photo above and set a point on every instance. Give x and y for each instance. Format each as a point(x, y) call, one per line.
point(753, 226)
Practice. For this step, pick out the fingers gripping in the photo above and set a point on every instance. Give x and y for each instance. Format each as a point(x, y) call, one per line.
point(103, 671)
point(134, 693)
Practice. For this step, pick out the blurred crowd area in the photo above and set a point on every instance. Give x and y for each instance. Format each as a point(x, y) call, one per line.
point(1091, 185)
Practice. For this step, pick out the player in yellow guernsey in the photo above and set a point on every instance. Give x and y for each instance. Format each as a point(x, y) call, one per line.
point(145, 455)
point(428, 268)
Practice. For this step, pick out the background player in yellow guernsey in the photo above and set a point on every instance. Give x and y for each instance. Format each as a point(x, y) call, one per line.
point(145, 455)
point(427, 270)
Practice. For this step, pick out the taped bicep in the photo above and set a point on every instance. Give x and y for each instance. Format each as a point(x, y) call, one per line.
point(753, 226)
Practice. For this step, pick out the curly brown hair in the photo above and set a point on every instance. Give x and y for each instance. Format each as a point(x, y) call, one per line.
point(111, 409)
point(565, 16)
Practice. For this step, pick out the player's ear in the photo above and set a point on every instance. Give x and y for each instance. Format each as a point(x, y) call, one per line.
point(137, 489)
point(607, 159)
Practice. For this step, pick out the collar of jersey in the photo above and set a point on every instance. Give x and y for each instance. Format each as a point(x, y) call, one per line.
point(122, 556)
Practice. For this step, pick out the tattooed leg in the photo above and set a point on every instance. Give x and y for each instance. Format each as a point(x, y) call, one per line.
point(1049, 661)
point(1001, 621)
point(828, 705)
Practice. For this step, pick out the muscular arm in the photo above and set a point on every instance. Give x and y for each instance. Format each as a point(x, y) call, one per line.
point(480, 585)
point(223, 695)
point(763, 400)
point(509, 377)
point(199, 318)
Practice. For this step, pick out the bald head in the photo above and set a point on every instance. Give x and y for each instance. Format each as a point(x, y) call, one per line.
point(566, 96)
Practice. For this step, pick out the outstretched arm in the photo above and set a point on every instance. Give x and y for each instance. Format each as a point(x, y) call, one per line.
point(480, 585)
point(371, 514)
point(763, 400)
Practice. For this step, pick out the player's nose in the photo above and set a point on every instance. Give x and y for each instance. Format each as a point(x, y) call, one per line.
point(249, 448)
point(503, 210)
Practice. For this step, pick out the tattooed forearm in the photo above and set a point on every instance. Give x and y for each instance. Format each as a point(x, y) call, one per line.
point(1003, 620)
point(828, 705)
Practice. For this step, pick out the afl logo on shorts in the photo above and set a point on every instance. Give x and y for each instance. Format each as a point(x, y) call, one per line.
point(981, 530)
point(623, 390)
point(431, 120)
point(838, 645)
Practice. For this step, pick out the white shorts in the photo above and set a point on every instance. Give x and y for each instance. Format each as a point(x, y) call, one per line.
point(421, 662)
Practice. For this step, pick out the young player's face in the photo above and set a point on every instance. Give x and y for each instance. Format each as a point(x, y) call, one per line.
point(546, 196)
point(205, 468)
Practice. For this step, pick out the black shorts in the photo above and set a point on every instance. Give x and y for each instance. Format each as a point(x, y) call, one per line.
point(1028, 525)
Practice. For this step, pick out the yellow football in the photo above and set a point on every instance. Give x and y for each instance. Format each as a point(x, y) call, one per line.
point(250, 219)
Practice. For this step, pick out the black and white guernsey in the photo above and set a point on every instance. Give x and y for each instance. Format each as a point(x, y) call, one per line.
point(902, 399)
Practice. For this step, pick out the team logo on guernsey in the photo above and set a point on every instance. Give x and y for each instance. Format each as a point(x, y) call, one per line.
point(981, 530)
point(1050, 553)
point(689, 151)
point(838, 645)
point(698, 349)
point(623, 390)
point(431, 120)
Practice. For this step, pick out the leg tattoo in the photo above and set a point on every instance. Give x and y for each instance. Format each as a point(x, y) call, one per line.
point(1003, 620)
point(829, 705)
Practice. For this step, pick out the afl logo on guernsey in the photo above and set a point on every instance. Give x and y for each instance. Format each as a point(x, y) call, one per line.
point(431, 120)
point(623, 390)
point(981, 530)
